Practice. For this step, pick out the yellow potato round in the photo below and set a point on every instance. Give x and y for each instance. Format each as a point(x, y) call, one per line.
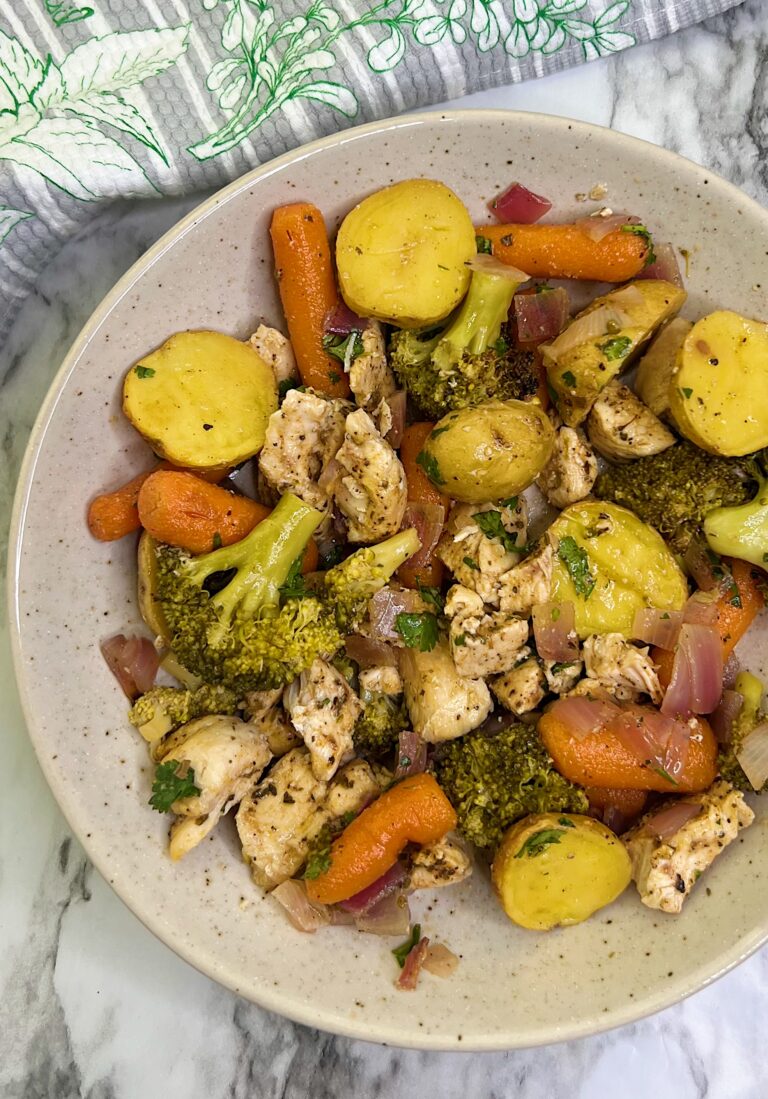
point(202, 400)
point(655, 369)
point(717, 394)
point(401, 253)
point(488, 452)
point(150, 608)
point(557, 869)
point(628, 562)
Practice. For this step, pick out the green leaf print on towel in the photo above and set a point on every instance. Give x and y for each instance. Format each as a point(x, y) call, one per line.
point(62, 12)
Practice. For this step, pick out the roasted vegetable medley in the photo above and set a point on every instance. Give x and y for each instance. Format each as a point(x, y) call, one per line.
point(440, 573)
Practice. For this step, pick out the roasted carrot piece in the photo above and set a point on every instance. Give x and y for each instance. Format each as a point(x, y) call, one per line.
point(628, 802)
point(184, 511)
point(308, 292)
point(601, 759)
point(567, 252)
point(112, 515)
point(414, 811)
point(733, 618)
point(422, 568)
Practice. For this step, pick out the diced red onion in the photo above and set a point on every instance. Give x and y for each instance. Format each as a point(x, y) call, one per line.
point(699, 564)
point(657, 627)
point(554, 631)
point(304, 914)
point(489, 265)
point(725, 715)
point(585, 329)
point(753, 756)
point(700, 610)
point(411, 754)
point(133, 661)
point(397, 402)
point(389, 916)
point(389, 882)
point(669, 820)
point(697, 673)
point(409, 975)
point(341, 320)
point(384, 608)
point(730, 672)
point(665, 266)
point(428, 519)
point(440, 961)
point(370, 654)
point(519, 205)
point(615, 819)
point(541, 316)
point(598, 226)
point(655, 739)
point(583, 716)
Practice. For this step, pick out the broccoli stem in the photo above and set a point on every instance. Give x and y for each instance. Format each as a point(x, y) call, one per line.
point(263, 560)
point(741, 531)
point(477, 324)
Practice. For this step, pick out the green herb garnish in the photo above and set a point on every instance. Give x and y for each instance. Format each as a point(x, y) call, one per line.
point(576, 561)
point(501, 345)
point(418, 630)
point(293, 586)
point(566, 823)
point(217, 543)
point(569, 379)
point(471, 563)
point(491, 525)
point(616, 348)
point(401, 952)
point(344, 348)
point(641, 231)
point(538, 842)
point(664, 774)
point(144, 372)
point(287, 384)
point(429, 464)
point(173, 780)
point(484, 246)
point(686, 391)
point(432, 596)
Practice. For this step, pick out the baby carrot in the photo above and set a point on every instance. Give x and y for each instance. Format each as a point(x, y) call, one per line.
point(423, 568)
point(602, 759)
point(413, 811)
point(112, 515)
point(184, 511)
point(567, 252)
point(308, 292)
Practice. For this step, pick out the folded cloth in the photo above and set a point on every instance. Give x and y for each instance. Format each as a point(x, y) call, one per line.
point(124, 98)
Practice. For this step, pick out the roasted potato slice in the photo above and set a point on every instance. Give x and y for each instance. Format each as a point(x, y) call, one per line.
point(202, 400)
point(557, 869)
point(610, 564)
point(603, 340)
point(150, 608)
point(655, 369)
point(717, 395)
point(488, 452)
point(401, 253)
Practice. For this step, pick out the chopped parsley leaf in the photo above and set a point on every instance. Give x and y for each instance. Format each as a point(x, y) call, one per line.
point(144, 372)
point(173, 780)
point(293, 586)
point(344, 348)
point(217, 543)
point(471, 563)
point(576, 561)
point(510, 502)
point(539, 842)
point(616, 348)
point(418, 630)
point(483, 245)
point(569, 379)
point(566, 823)
point(492, 527)
point(401, 952)
point(664, 774)
point(641, 231)
point(432, 596)
point(430, 467)
point(460, 640)
point(501, 345)
point(686, 391)
point(288, 384)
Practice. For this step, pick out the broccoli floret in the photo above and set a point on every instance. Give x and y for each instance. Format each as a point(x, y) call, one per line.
point(674, 491)
point(383, 719)
point(163, 709)
point(741, 531)
point(223, 608)
point(493, 778)
point(470, 361)
point(751, 690)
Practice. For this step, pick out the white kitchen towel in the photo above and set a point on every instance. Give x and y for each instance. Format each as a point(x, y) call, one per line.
point(123, 98)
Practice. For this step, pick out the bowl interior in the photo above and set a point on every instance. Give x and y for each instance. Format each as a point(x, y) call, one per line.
point(513, 988)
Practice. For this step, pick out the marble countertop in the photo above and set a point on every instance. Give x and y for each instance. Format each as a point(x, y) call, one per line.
point(91, 1005)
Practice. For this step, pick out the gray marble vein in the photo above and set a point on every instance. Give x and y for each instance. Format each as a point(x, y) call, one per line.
point(91, 1005)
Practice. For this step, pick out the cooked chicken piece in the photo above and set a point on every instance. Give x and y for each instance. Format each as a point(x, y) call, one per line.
point(476, 560)
point(482, 644)
point(444, 862)
point(323, 708)
point(562, 678)
point(621, 427)
point(571, 471)
point(442, 704)
point(265, 712)
point(521, 689)
point(279, 819)
point(665, 871)
point(528, 583)
point(624, 669)
point(385, 679)
point(382, 418)
point(370, 375)
point(302, 437)
point(226, 757)
point(369, 488)
point(276, 351)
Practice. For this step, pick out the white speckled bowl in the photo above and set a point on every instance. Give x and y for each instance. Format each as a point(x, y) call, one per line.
point(513, 988)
